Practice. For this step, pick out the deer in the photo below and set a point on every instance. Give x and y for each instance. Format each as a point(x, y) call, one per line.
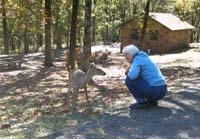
point(79, 79)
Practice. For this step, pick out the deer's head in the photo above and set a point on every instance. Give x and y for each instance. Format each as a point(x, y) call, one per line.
point(95, 71)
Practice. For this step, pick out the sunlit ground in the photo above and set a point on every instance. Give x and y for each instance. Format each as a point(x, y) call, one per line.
point(32, 99)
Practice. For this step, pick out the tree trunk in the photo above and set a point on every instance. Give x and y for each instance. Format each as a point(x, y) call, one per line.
point(73, 35)
point(39, 33)
point(59, 39)
point(26, 42)
point(87, 36)
point(48, 57)
point(39, 40)
point(94, 24)
point(5, 28)
point(67, 36)
point(58, 32)
point(142, 39)
point(19, 42)
point(79, 34)
point(122, 11)
point(106, 35)
point(135, 7)
point(12, 45)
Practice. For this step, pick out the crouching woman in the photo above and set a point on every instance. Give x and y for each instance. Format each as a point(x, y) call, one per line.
point(143, 78)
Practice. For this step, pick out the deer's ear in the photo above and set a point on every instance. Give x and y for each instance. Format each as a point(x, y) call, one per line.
point(91, 65)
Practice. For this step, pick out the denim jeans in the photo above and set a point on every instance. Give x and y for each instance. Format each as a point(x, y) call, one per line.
point(142, 91)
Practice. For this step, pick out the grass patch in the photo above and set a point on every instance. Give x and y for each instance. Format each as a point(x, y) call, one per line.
point(45, 127)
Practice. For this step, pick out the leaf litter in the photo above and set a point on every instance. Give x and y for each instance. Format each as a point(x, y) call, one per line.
point(34, 97)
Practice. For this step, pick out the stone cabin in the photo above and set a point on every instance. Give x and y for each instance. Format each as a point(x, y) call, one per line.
point(165, 32)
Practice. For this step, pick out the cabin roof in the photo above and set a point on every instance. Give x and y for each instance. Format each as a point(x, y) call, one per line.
point(170, 21)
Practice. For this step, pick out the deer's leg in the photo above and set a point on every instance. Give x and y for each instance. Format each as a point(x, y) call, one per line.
point(74, 99)
point(86, 93)
point(68, 95)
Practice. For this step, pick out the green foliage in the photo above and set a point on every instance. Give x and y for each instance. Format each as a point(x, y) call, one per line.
point(189, 10)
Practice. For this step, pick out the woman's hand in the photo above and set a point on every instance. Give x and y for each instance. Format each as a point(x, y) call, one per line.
point(127, 70)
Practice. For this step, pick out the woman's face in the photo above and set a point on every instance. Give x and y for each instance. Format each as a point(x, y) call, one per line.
point(129, 57)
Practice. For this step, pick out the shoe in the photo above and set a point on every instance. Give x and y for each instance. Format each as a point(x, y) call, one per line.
point(153, 103)
point(139, 105)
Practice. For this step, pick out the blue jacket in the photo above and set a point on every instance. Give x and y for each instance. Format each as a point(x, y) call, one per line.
point(143, 67)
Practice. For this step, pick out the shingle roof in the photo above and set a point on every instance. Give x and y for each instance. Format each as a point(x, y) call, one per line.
point(170, 21)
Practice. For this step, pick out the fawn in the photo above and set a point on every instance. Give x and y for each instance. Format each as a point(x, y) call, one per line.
point(79, 79)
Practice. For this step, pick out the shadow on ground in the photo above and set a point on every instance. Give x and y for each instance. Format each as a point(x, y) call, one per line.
point(176, 117)
point(40, 98)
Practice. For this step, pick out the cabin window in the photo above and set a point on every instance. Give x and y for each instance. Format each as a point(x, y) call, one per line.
point(135, 34)
point(154, 35)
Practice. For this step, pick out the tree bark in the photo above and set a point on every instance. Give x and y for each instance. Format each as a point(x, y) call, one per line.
point(94, 24)
point(26, 41)
point(48, 57)
point(39, 40)
point(39, 33)
point(73, 35)
point(5, 28)
point(58, 32)
point(142, 39)
point(106, 34)
point(135, 8)
point(87, 36)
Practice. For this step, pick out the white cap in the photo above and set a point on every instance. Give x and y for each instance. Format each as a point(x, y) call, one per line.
point(130, 49)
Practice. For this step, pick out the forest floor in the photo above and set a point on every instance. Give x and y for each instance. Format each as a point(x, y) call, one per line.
point(32, 101)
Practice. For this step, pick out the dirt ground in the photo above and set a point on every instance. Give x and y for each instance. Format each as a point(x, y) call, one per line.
point(32, 101)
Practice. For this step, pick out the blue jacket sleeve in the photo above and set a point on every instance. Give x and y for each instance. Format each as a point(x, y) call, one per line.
point(134, 71)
